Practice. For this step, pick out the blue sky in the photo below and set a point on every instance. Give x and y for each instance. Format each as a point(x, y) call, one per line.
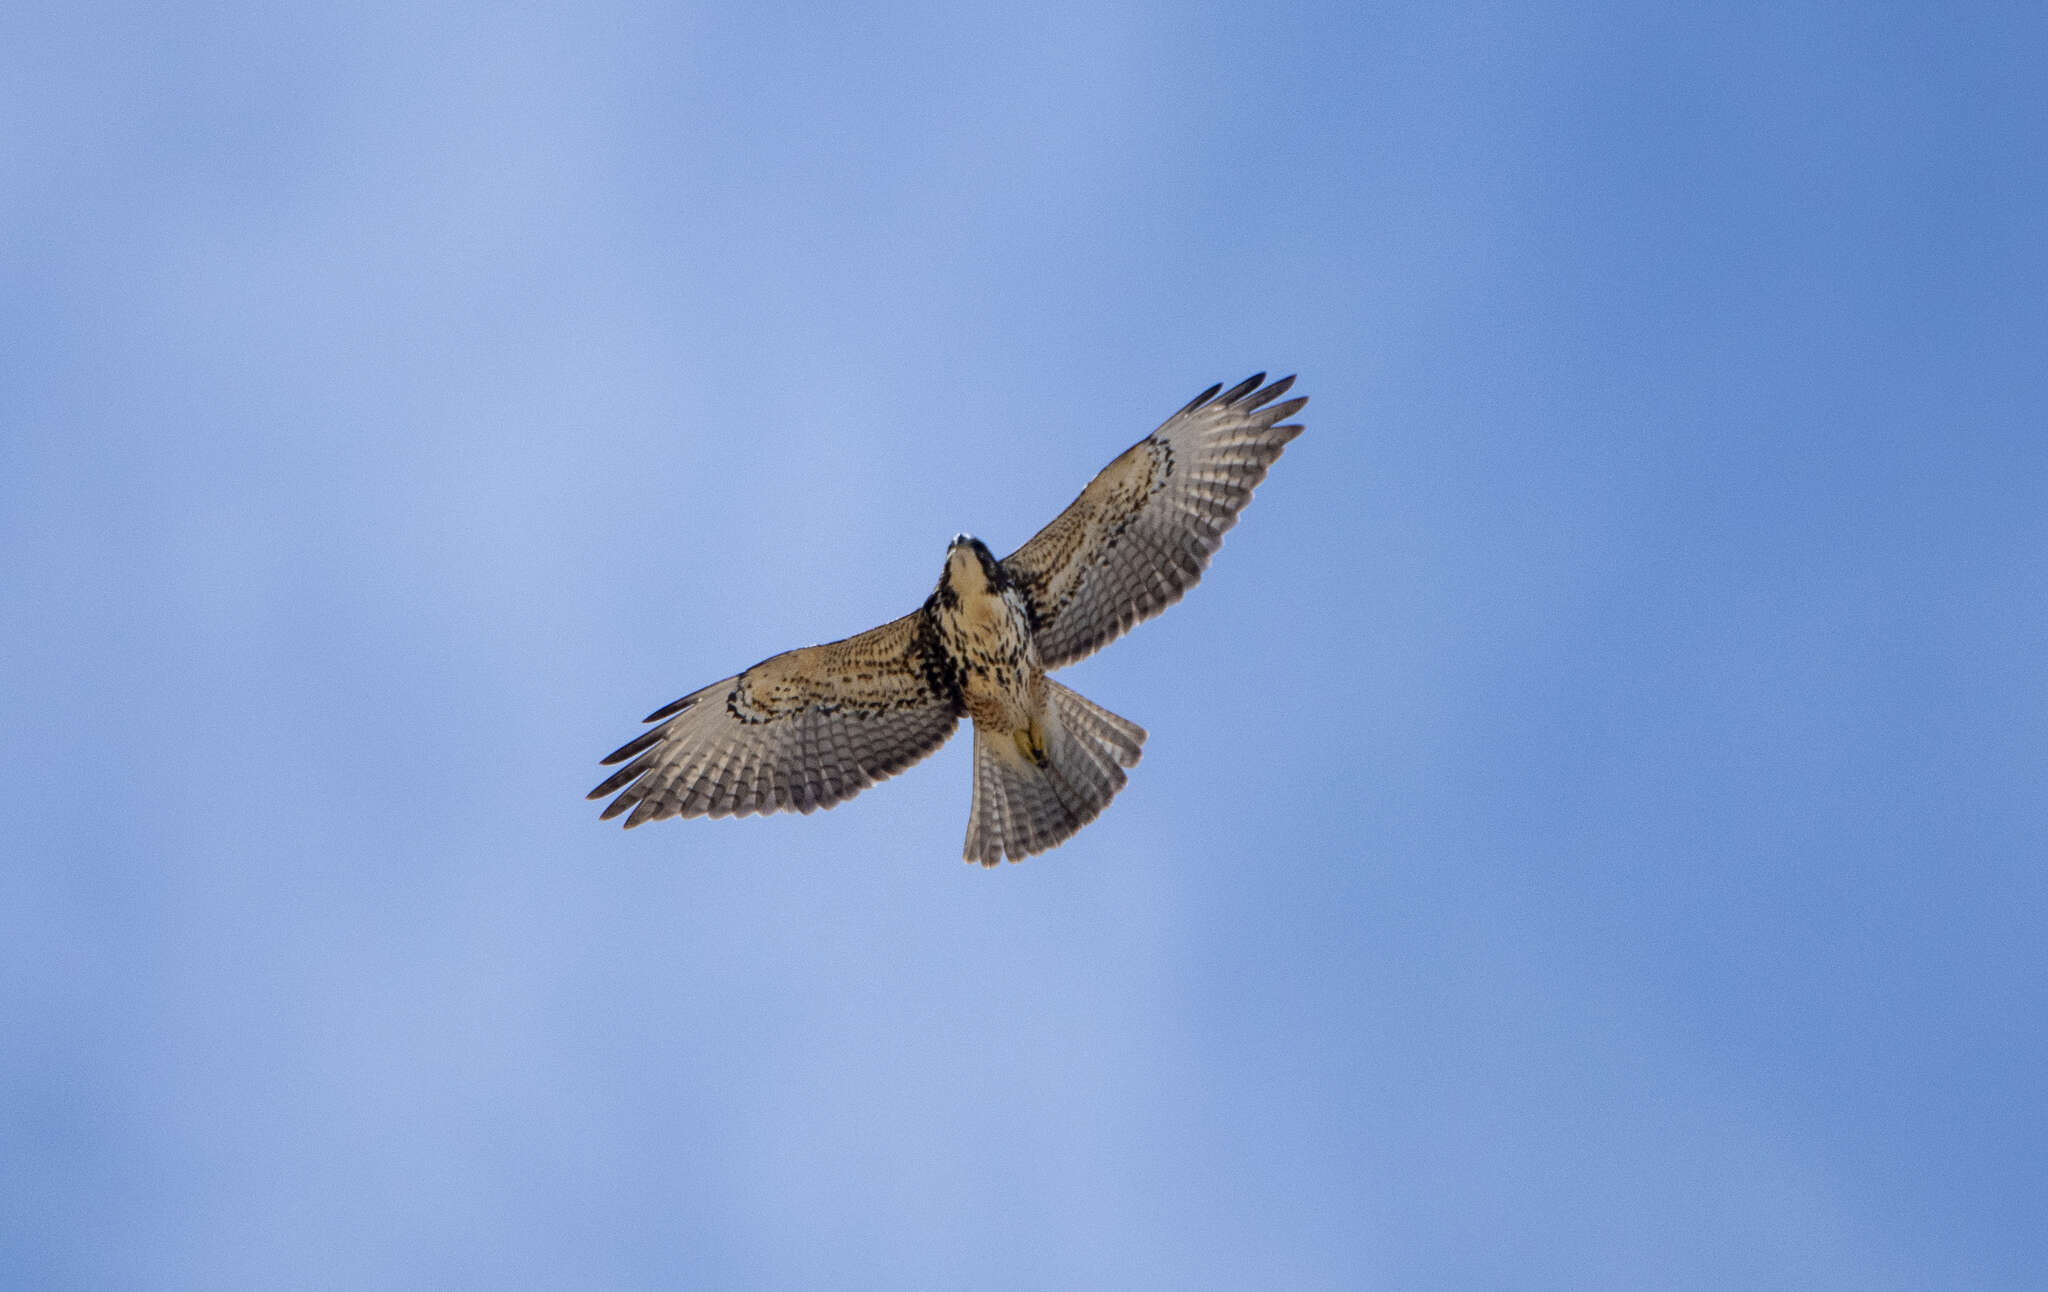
point(1592, 828)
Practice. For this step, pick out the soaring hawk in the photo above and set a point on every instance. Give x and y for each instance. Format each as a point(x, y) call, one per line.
point(813, 727)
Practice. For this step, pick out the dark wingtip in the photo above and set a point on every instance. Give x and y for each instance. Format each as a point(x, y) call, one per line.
point(620, 778)
point(1281, 412)
point(1243, 388)
point(671, 710)
point(1266, 396)
point(630, 748)
point(1200, 399)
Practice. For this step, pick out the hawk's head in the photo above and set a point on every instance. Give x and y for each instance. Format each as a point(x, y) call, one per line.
point(971, 568)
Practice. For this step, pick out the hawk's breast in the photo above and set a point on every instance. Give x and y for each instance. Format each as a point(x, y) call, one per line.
point(987, 634)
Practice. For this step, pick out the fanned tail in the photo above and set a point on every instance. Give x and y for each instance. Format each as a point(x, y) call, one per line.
point(1024, 805)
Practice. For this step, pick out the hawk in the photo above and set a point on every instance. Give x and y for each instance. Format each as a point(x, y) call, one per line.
point(813, 727)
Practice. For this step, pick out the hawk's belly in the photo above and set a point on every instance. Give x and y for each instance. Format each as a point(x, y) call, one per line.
point(988, 637)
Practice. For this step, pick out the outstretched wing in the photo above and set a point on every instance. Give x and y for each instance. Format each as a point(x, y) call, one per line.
point(803, 730)
point(1143, 530)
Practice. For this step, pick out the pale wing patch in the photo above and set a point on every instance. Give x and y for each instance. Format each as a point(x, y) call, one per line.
point(1142, 532)
point(799, 731)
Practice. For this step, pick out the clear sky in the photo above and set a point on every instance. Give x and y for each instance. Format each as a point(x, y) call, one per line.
point(1593, 828)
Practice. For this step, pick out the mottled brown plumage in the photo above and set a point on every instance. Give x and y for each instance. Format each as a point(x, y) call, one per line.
point(813, 727)
point(802, 730)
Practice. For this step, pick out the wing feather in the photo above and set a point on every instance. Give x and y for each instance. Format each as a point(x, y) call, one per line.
point(802, 730)
point(1142, 532)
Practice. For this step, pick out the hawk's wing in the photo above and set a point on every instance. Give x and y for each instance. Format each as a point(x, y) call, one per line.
point(1143, 530)
point(805, 729)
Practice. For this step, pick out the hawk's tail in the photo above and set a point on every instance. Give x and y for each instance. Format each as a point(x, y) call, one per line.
point(1026, 801)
